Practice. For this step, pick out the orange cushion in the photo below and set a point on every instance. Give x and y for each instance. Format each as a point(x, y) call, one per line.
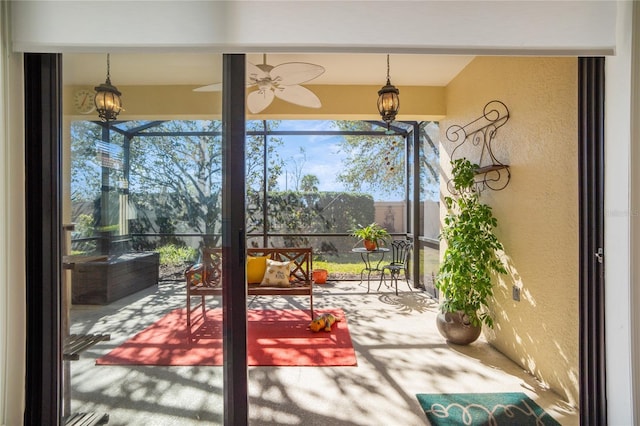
point(256, 266)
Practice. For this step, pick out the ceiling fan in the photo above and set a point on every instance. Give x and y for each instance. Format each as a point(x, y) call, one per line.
point(280, 81)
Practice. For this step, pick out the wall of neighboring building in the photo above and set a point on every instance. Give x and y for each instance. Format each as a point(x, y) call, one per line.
point(537, 212)
point(391, 215)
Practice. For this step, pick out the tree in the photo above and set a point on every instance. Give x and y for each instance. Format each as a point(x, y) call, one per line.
point(96, 171)
point(255, 170)
point(377, 162)
point(178, 177)
point(309, 183)
point(175, 175)
point(429, 161)
point(190, 175)
point(254, 152)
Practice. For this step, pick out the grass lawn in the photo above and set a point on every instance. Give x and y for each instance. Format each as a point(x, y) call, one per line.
point(333, 267)
point(429, 258)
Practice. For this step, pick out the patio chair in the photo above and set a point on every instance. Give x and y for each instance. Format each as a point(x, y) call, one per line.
point(400, 254)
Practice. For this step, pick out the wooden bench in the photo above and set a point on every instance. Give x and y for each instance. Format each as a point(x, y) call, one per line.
point(205, 279)
point(76, 343)
point(87, 419)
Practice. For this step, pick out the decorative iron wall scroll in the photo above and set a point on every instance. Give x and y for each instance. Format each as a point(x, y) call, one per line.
point(481, 132)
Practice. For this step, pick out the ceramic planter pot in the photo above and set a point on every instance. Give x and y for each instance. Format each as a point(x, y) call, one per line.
point(320, 276)
point(370, 245)
point(456, 328)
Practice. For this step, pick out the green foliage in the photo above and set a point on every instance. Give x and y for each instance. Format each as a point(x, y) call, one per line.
point(85, 167)
point(471, 257)
point(353, 268)
point(309, 183)
point(84, 226)
point(309, 212)
point(184, 174)
point(372, 232)
point(172, 254)
point(375, 162)
point(176, 176)
point(109, 228)
point(429, 161)
point(254, 152)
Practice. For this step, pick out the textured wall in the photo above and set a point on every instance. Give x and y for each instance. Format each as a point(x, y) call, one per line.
point(344, 101)
point(537, 212)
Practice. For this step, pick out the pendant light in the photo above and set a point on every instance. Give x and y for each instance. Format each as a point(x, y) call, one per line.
point(107, 100)
point(388, 100)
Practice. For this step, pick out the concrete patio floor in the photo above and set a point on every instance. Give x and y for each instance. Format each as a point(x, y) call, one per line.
point(398, 348)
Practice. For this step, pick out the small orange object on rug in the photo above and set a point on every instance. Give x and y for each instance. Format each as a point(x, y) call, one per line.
point(323, 322)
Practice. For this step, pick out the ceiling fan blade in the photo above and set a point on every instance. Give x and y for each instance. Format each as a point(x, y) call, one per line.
point(283, 75)
point(259, 100)
point(295, 73)
point(298, 95)
point(216, 87)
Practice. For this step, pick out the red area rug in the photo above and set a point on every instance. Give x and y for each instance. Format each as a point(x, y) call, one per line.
point(275, 338)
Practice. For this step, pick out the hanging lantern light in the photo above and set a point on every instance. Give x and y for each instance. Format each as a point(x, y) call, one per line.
point(107, 100)
point(388, 100)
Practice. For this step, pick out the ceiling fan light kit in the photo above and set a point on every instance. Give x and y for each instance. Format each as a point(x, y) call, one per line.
point(388, 100)
point(280, 81)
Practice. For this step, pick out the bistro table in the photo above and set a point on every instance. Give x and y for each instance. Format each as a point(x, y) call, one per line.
point(369, 262)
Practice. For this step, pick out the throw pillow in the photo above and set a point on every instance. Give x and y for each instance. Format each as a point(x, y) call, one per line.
point(194, 274)
point(256, 267)
point(277, 274)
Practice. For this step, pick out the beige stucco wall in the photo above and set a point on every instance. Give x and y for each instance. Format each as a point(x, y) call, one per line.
point(537, 212)
point(346, 102)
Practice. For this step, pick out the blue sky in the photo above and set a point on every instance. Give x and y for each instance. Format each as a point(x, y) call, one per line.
point(323, 157)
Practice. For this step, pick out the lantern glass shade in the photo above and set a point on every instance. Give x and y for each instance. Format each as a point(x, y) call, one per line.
point(108, 102)
point(388, 102)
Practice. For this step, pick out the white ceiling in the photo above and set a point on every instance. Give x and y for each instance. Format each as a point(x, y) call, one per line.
point(203, 69)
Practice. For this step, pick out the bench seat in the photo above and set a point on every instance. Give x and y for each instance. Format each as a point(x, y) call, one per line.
point(206, 279)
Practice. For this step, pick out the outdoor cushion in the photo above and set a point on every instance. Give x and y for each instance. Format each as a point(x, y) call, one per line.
point(277, 274)
point(256, 267)
point(196, 277)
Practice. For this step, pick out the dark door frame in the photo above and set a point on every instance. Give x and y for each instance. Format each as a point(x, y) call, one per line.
point(43, 142)
point(234, 297)
point(593, 396)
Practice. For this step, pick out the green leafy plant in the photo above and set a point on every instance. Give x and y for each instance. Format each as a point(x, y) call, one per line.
point(171, 254)
point(372, 232)
point(472, 253)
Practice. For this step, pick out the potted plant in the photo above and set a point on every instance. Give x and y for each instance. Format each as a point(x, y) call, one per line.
point(320, 276)
point(470, 259)
point(371, 235)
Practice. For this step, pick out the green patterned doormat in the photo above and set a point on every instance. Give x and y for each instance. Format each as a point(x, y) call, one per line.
point(495, 409)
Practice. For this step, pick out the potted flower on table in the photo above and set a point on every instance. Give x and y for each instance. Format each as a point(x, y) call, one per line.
point(371, 235)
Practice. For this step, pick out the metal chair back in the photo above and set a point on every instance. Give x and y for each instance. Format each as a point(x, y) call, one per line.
point(401, 250)
point(400, 255)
